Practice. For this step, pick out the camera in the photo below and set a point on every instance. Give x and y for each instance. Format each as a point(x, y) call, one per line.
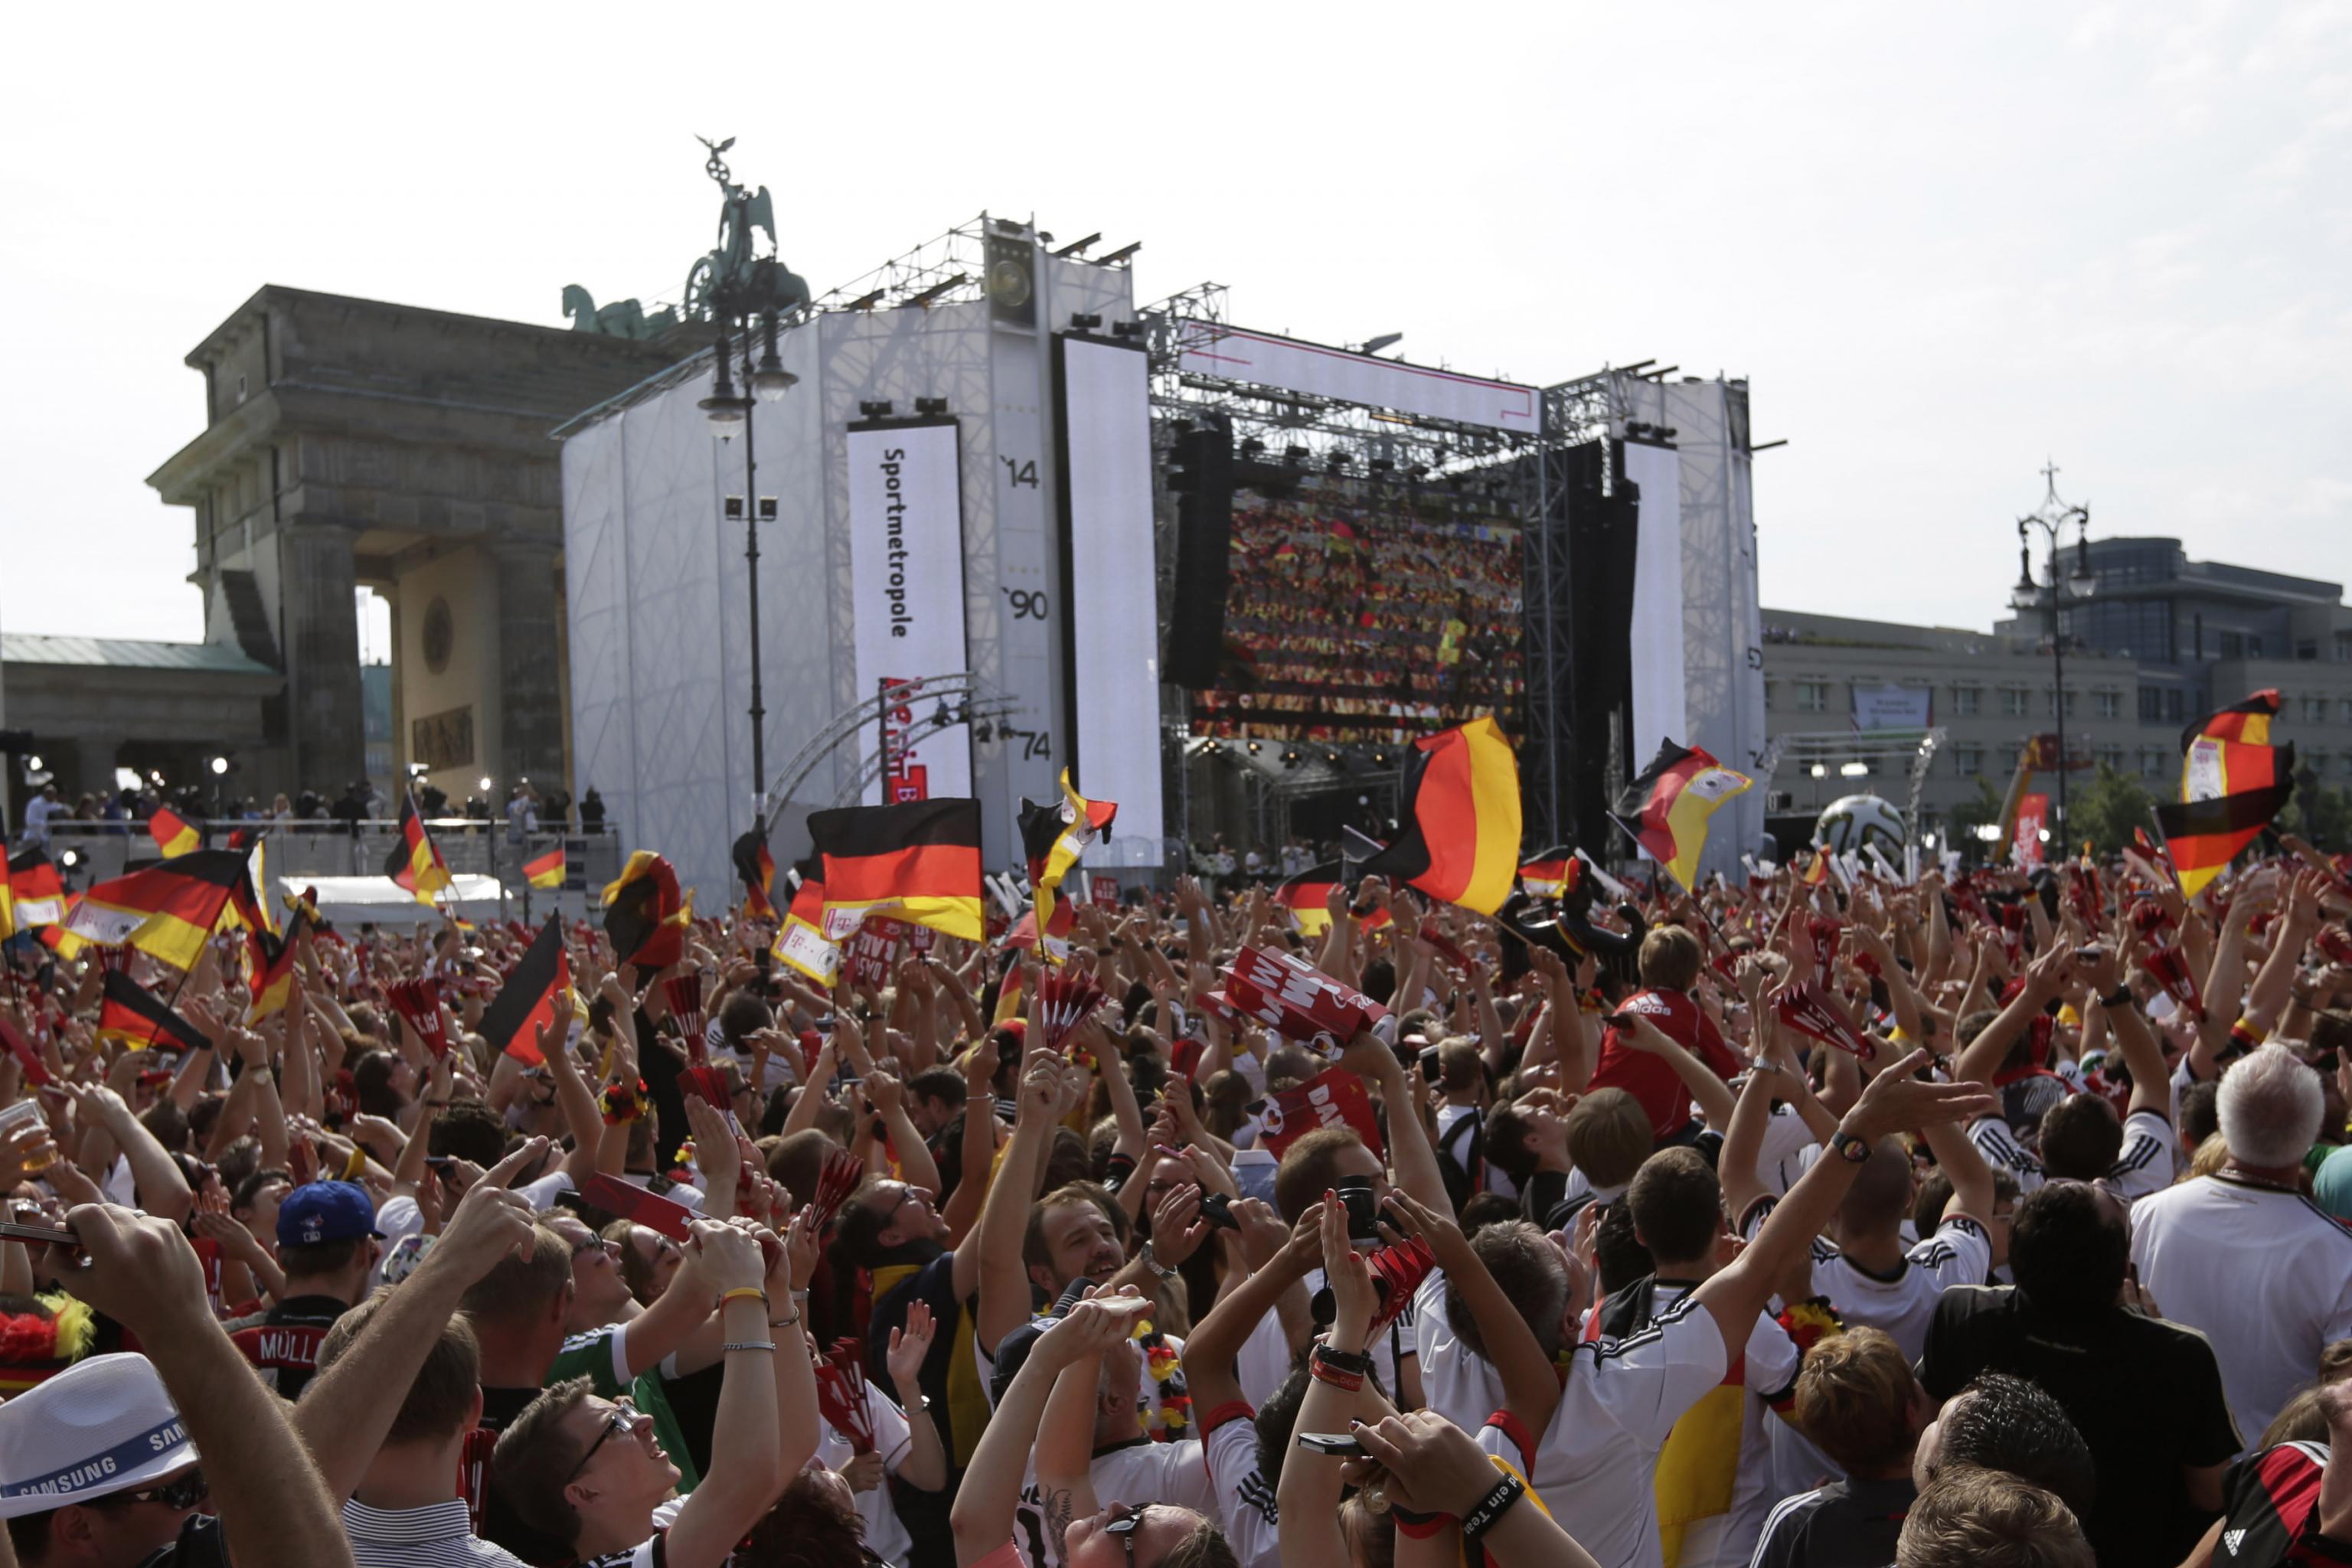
point(1217, 1208)
point(1363, 1211)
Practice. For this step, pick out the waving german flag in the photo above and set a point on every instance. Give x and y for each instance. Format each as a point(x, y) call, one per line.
point(2232, 789)
point(1553, 874)
point(415, 864)
point(1304, 896)
point(2248, 721)
point(547, 872)
point(916, 861)
point(1460, 835)
point(35, 890)
point(802, 944)
point(526, 1004)
point(172, 833)
point(168, 911)
point(1666, 809)
point(1054, 836)
point(272, 962)
point(643, 914)
point(131, 1014)
point(757, 867)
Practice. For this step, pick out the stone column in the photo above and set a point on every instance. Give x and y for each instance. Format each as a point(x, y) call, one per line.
point(530, 736)
point(320, 634)
point(94, 757)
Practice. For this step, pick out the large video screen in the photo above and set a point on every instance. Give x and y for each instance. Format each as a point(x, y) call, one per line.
point(1358, 615)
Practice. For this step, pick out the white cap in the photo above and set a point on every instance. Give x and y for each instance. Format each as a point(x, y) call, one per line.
point(101, 1426)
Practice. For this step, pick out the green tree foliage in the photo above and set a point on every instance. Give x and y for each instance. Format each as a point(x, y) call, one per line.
point(2107, 810)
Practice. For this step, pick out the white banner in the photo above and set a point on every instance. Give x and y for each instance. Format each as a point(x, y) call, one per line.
point(1893, 707)
point(906, 552)
point(1660, 712)
point(1229, 353)
point(1114, 615)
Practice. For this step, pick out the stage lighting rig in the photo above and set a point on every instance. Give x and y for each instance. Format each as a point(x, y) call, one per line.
point(876, 408)
point(936, 289)
point(1127, 329)
point(1079, 246)
point(1385, 340)
point(1084, 322)
point(866, 302)
point(930, 405)
point(1116, 257)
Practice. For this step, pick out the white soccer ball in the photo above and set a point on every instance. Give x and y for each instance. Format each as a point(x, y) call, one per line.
point(1859, 819)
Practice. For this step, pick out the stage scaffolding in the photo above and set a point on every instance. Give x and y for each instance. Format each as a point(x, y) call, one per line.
point(1472, 472)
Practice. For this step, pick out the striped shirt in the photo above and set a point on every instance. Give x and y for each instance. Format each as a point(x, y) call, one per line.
point(436, 1536)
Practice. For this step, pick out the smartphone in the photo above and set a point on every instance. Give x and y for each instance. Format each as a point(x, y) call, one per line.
point(1218, 1210)
point(1429, 1064)
point(1338, 1443)
point(39, 1234)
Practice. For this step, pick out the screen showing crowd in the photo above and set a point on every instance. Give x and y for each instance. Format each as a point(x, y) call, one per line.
point(1350, 620)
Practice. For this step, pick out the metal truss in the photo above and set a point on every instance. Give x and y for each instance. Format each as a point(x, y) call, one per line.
point(1826, 748)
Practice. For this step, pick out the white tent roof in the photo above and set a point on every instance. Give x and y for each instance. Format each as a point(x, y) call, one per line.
point(355, 901)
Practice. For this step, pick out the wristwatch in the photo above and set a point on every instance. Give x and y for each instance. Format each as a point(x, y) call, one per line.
point(1851, 1147)
point(1151, 1261)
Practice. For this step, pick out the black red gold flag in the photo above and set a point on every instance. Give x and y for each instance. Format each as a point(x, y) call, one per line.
point(1460, 839)
point(1553, 873)
point(645, 915)
point(526, 1004)
point(168, 909)
point(802, 942)
point(1305, 895)
point(272, 958)
point(415, 864)
point(2239, 788)
point(36, 891)
point(546, 870)
point(756, 865)
point(2248, 721)
point(1054, 836)
point(1666, 809)
point(916, 861)
point(172, 833)
point(129, 1012)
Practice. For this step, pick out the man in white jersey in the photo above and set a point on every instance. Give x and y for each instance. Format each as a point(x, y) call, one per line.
point(2242, 1255)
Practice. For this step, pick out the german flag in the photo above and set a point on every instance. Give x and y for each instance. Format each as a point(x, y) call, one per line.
point(526, 1004)
point(1058, 926)
point(2248, 721)
point(172, 833)
point(35, 890)
point(547, 872)
point(2236, 790)
point(643, 914)
point(1054, 836)
point(757, 867)
point(249, 906)
point(1817, 868)
point(272, 962)
point(1553, 874)
point(1666, 809)
point(1304, 896)
point(801, 943)
point(916, 861)
point(130, 1014)
point(1461, 837)
point(415, 864)
point(167, 910)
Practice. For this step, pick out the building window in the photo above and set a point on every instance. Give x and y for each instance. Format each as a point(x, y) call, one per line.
point(2151, 762)
point(2013, 700)
point(2346, 763)
point(2344, 648)
point(1812, 696)
point(2107, 704)
point(2111, 757)
point(2050, 703)
point(1968, 760)
point(1965, 702)
point(2315, 710)
point(1771, 695)
point(2234, 645)
point(2307, 651)
point(2253, 647)
point(2174, 700)
point(2009, 755)
point(2343, 709)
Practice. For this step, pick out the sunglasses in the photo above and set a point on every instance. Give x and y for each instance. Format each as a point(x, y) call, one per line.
point(1125, 1526)
point(596, 1243)
point(180, 1494)
point(624, 1418)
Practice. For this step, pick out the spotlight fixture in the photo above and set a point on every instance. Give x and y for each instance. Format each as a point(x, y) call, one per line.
point(877, 408)
point(1854, 770)
point(936, 289)
point(983, 732)
point(867, 301)
point(33, 764)
point(68, 859)
point(1380, 465)
point(1084, 322)
point(767, 508)
point(1337, 462)
point(489, 784)
point(219, 766)
point(1127, 329)
point(1820, 770)
point(930, 405)
point(1252, 446)
point(1253, 748)
point(1295, 456)
point(1331, 759)
point(732, 509)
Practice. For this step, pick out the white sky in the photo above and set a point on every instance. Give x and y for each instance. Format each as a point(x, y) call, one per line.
point(1942, 244)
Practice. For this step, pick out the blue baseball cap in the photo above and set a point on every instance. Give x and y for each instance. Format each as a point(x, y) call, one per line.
point(318, 1211)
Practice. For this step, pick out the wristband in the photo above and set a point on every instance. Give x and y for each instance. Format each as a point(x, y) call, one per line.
point(1419, 1526)
point(1347, 1382)
point(2119, 997)
point(1357, 1361)
point(1492, 1507)
point(355, 1164)
point(791, 1323)
point(768, 1345)
point(743, 1293)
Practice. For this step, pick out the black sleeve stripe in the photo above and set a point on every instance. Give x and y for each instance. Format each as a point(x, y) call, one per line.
point(2136, 1156)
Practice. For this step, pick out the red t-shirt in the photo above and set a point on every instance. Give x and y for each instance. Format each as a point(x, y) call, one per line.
point(1650, 1081)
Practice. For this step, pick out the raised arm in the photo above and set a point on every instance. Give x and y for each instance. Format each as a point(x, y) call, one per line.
point(1411, 1158)
point(1709, 1092)
point(734, 1495)
point(1004, 1291)
point(1531, 1387)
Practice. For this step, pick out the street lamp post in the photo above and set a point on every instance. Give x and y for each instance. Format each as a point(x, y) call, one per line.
point(2052, 518)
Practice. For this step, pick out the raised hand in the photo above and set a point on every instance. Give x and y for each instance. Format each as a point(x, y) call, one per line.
point(908, 1346)
point(1423, 1462)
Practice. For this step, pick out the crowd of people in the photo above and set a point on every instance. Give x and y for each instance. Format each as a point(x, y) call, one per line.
point(1989, 1221)
point(1346, 623)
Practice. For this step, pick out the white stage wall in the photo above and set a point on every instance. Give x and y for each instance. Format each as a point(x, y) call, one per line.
point(1658, 652)
point(906, 588)
point(1106, 443)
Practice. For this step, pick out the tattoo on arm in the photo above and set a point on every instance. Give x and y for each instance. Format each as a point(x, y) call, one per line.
point(1054, 1502)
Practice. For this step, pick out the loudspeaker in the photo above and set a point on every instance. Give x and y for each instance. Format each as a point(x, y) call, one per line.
point(1201, 472)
